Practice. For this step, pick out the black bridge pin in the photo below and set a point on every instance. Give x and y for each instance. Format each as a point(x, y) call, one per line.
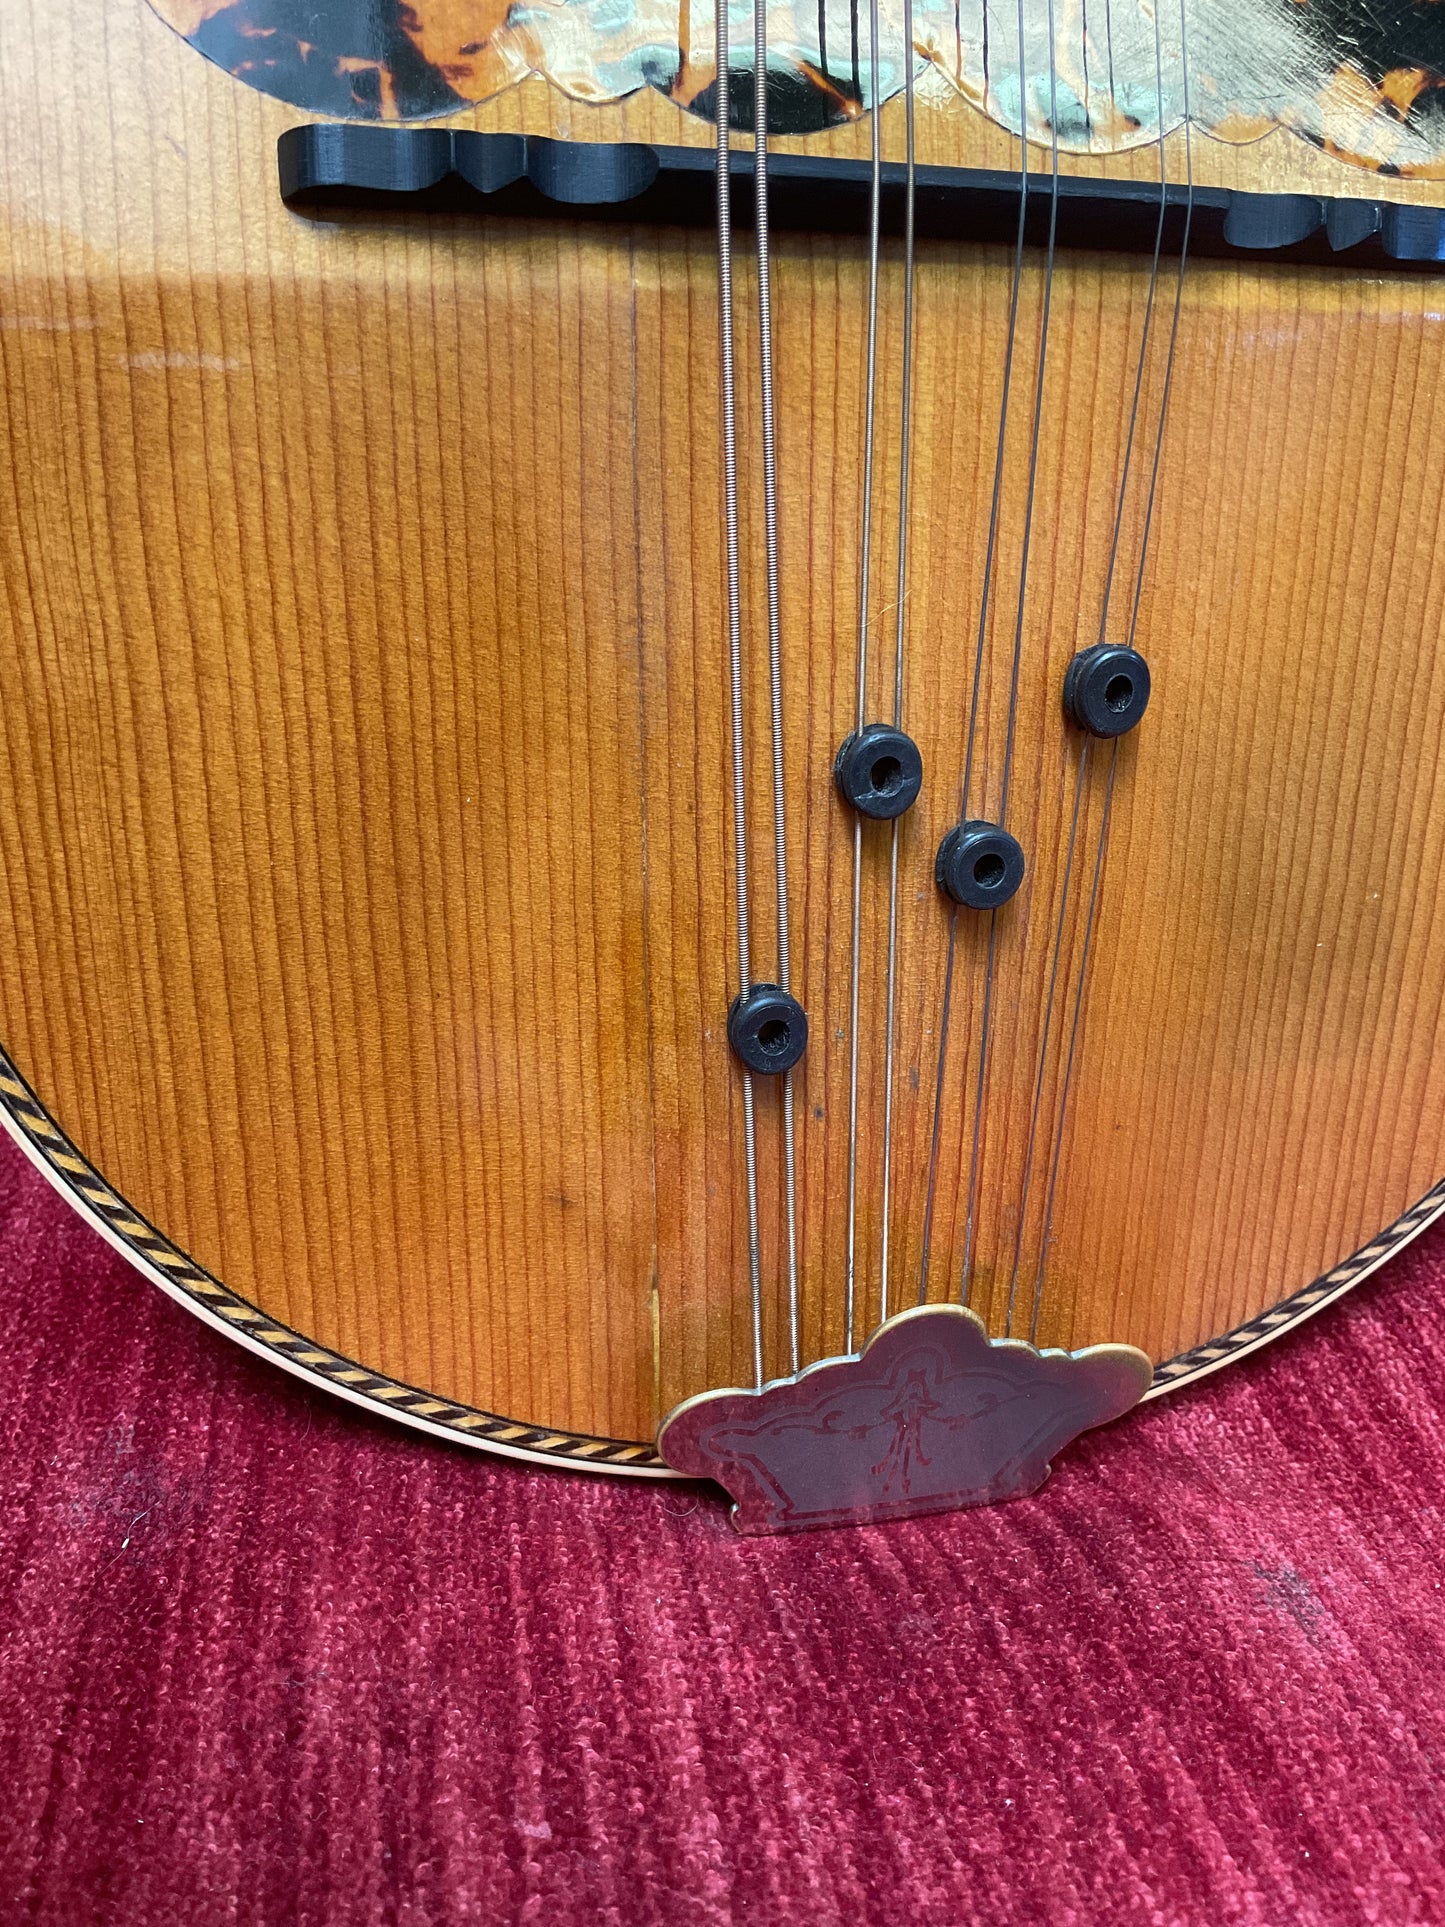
point(979, 865)
point(1106, 689)
point(879, 771)
point(768, 1029)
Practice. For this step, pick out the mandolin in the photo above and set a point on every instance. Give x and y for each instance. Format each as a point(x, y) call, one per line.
point(713, 779)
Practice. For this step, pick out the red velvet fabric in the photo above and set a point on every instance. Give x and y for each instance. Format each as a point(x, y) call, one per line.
point(265, 1661)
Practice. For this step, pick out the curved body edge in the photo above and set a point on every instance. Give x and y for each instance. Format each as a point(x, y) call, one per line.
point(25, 1121)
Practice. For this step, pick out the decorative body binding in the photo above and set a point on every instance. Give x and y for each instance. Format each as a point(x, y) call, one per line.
point(932, 1415)
point(24, 1118)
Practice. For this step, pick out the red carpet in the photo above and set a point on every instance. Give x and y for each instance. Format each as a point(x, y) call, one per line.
point(263, 1661)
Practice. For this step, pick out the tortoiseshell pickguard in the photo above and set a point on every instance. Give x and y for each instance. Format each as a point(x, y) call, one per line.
point(1362, 80)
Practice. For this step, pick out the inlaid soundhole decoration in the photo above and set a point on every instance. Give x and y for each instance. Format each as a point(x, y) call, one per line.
point(1364, 82)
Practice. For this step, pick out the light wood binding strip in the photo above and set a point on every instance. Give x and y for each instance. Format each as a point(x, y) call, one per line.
point(363, 841)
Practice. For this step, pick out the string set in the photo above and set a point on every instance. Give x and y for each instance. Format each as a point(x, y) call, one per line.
point(736, 680)
point(1149, 510)
point(850, 1310)
point(985, 594)
point(857, 1296)
point(1087, 745)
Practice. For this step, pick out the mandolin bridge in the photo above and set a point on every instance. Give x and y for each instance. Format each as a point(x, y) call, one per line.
point(328, 167)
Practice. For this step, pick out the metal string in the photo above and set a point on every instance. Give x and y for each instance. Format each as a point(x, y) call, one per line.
point(1144, 337)
point(865, 574)
point(1045, 314)
point(728, 382)
point(978, 1097)
point(937, 1109)
point(995, 506)
point(1102, 846)
point(851, 1272)
point(1133, 627)
point(1081, 767)
point(990, 553)
point(1079, 773)
point(1173, 327)
point(775, 640)
point(904, 455)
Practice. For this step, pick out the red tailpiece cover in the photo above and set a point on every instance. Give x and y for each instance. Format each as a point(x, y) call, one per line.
point(930, 1415)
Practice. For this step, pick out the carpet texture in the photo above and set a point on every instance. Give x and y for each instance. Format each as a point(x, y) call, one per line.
point(265, 1661)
